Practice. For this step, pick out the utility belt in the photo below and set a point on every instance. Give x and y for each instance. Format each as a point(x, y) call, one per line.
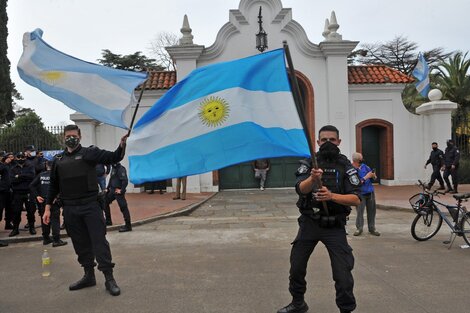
point(326, 221)
point(81, 201)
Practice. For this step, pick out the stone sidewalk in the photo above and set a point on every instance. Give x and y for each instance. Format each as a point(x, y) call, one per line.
point(146, 208)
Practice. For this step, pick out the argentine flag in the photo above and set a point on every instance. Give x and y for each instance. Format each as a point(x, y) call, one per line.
point(421, 73)
point(219, 115)
point(100, 92)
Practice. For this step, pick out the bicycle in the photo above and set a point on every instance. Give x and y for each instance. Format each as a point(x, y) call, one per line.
point(429, 216)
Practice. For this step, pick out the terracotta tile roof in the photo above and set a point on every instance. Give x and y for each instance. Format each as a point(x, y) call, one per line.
point(160, 80)
point(361, 74)
point(376, 74)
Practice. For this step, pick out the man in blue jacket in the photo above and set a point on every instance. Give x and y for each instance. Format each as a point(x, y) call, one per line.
point(366, 175)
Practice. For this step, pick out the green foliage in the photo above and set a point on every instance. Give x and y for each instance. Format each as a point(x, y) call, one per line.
point(28, 130)
point(132, 62)
point(6, 86)
point(453, 80)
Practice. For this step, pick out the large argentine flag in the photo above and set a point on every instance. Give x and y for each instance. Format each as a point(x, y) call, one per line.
point(219, 115)
point(421, 72)
point(100, 92)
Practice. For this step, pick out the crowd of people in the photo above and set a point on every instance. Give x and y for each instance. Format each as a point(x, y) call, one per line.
point(24, 185)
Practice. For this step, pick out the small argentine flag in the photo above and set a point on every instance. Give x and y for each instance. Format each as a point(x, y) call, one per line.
point(100, 92)
point(421, 73)
point(219, 115)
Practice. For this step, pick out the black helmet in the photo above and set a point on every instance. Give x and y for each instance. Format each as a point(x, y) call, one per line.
point(20, 155)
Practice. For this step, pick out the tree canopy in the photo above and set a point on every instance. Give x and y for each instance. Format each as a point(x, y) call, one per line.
point(157, 48)
point(7, 90)
point(132, 62)
point(28, 129)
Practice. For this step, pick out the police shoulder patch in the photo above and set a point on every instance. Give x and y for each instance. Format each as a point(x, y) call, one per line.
point(353, 179)
point(302, 169)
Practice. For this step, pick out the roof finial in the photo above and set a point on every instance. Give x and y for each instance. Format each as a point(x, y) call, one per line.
point(187, 38)
point(333, 27)
point(326, 31)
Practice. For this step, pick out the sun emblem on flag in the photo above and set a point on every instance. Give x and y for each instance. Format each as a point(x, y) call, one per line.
point(52, 77)
point(213, 111)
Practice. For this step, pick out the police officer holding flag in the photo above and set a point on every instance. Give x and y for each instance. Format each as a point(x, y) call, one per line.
point(323, 218)
point(73, 175)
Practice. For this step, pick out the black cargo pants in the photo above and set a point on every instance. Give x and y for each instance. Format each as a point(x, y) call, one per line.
point(341, 258)
point(86, 227)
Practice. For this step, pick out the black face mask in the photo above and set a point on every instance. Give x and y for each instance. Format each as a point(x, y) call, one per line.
point(434, 148)
point(450, 145)
point(329, 150)
point(72, 142)
point(20, 161)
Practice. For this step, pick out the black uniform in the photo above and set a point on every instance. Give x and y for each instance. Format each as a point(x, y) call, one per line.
point(436, 158)
point(21, 175)
point(118, 180)
point(451, 157)
point(74, 176)
point(40, 187)
point(316, 224)
point(5, 193)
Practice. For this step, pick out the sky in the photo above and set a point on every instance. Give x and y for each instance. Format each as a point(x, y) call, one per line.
point(83, 28)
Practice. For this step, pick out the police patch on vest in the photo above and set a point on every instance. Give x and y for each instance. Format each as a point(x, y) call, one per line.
point(354, 180)
point(302, 169)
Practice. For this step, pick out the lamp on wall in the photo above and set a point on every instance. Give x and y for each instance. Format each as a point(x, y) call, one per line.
point(261, 36)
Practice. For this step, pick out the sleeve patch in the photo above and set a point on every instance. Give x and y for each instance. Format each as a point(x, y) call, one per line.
point(302, 169)
point(354, 180)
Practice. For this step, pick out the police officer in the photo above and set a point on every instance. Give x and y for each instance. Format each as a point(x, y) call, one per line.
point(5, 191)
point(436, 158)
point(74, 176)
point(21, 175)
point(326, 223)
point(39, 188)
point(8, 160)
point(117, 191)
point(451, 166)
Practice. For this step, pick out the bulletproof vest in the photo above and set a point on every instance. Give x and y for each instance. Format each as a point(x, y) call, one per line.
point(77, 178)
point(45, 180)
point(332, 178)
point(333, 173)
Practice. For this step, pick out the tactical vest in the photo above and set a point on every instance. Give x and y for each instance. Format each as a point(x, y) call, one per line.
point(77, 178)
point(333, 177)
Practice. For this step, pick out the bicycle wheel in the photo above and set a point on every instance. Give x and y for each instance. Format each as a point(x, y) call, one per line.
point(425, 226)
point(465, 227)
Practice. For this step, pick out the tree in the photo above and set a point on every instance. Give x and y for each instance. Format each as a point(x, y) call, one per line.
point(398, 53)
point(402, 55)
point(162, 40)
point(453, 80)
point(132, 62)
point(28, 130)
point(7, 89)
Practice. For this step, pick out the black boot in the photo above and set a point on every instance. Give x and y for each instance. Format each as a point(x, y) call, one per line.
point(3, 244)
point(294, 308)
point(88, 280)
point(126, 227)
point(111, 284)
point(32, 230)
point(14, 232)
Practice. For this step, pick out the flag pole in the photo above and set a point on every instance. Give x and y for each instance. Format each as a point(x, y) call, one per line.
point(137, 107)
point(299, 102)
point(300, 110)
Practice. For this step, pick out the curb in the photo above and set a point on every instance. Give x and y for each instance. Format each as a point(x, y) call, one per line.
point(388, 207)
point(183, 211)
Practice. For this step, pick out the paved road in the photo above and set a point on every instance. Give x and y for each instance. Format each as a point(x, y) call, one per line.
point(232, 255)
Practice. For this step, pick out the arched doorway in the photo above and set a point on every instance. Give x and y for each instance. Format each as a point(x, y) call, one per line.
point(282, 171)
point(374, 140)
